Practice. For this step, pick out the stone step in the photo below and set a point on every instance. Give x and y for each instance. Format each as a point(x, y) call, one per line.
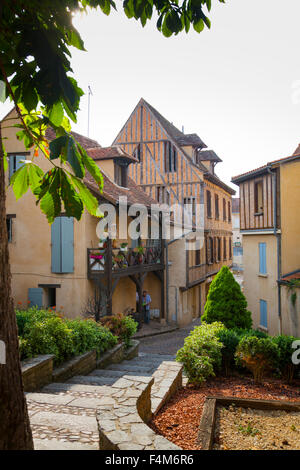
point(143, 362)
point(54, 444)
point(57, 387)
point(108, 373)
point(70, 422)
point(129, 368)
point(92, 380)
point(162, 357)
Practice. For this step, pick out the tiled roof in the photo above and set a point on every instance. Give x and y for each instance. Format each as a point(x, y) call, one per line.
point(290, 277)
point(174, 133)
point(263, 168)
point(112, 191)
point(214, 179)
point(235, 204)
point(86, 142)
point(107, 153)
point(297, 151)
point(208, 155)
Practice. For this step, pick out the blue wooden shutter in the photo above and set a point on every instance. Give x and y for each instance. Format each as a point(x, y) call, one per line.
point(263, 313)
point(56, 246)
point(35, 297)
point(262, 258)
point(67, 244)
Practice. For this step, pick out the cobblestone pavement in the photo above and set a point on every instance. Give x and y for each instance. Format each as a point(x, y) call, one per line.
point(167, 343)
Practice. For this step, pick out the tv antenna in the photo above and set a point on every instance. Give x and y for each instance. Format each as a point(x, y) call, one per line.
point(89, 98)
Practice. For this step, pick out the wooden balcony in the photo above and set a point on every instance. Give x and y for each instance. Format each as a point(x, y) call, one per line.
point(118, 262)
point(196, 274)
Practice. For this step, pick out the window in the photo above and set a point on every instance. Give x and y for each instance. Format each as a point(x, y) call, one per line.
point(170, 158)
point(210, 250)
point(62, 245)
point(190, 204)
point(236, 221)
point(229, 212)
point(197, 261)
point(138, 152)
point(262, 248)
point(208, 203)
point(258, 197)
point(224, 249)
point(237, 251)
point(121, 175)
point(230, 248)
point(263, 307)
point(219, 250)
point(15, 163)
point(162, 195)
point(224, 209)
point(9, 224)
point(217, 206)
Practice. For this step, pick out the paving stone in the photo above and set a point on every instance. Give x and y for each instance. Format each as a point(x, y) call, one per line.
point(71, 422)
point(107, 425)
point(130, 446)
point(162, 443)
point(92, 380)
point(53, 444)
point(118, 436)
point(92, 402)
point(50, 399)
point(57, 386)
point(129, 368)
point(142, 439)
point(107, 373)
point(131, 418)
point(141, 429)
point(123, 383)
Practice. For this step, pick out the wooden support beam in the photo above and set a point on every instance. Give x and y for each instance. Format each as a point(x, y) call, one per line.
point(108, 269)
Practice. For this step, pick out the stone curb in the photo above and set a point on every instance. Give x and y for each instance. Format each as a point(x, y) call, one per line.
point(122, 423)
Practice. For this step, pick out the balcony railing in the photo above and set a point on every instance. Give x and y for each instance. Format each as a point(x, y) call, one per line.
point(123, 261)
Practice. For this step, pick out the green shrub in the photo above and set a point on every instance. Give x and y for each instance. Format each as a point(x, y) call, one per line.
point(123, 326)
point(230, 341)
point(241, 332)
point(24, 349)
point(285, 351)
point(226, 302)
point(50, 336)
point(201, 354)
point(88, 335)
point(31, 315)
point(257, 354)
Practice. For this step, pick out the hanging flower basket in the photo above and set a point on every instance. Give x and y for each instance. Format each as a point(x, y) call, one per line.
point(96, 256)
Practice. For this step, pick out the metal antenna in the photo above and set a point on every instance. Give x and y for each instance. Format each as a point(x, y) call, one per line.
point(89, 95)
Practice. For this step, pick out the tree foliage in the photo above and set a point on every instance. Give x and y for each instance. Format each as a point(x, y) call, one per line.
point(226, 302)
point(36, 72)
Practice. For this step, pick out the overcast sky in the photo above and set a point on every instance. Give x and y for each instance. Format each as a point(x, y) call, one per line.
point(236, 85)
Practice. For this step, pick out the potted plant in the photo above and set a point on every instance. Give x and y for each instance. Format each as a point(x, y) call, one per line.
point(124, 247)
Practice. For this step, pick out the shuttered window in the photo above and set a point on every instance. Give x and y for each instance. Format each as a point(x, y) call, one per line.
point(15, 163)
point(62, 242)
point(262, 258)
point(35, 297)
point(263, 313)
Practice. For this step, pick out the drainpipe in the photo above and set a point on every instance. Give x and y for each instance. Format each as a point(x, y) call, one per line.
point(278, 239)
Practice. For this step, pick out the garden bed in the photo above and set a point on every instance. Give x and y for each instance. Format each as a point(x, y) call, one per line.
point(239, 428)
point(179, 419)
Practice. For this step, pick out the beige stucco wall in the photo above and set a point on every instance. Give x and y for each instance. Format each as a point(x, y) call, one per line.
point(290, 220)
point(290, 312)
point(258, 287)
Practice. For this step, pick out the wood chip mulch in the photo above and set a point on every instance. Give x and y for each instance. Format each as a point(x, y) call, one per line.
point(179, 419)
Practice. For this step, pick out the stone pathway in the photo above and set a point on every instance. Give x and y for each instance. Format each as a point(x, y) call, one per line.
point(63, 415)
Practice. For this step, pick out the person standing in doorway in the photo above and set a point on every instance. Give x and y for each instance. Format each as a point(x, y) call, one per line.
point(146, 306)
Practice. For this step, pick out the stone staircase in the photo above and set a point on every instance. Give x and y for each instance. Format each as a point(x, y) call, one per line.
point(63, 415)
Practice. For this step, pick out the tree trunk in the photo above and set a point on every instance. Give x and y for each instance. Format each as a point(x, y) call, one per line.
point(15, 432)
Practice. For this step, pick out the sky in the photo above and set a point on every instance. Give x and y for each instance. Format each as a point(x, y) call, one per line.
point(236, 85)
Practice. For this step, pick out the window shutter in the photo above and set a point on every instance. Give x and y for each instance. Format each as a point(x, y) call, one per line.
point(67, 244)
point(263, 313)
point(262, 258)
point(11, 166)
point(56, 246)
point(35, 297)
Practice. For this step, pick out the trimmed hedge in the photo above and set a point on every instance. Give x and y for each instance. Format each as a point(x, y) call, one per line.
point(46, 332)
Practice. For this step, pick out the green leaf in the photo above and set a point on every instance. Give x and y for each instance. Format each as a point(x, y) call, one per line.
point(57, 145)
point(49, 194)
point(56, 114)
point(90, 202)
point(20, 181)
point(74, 158)
point(91, 167)
point(35, 174)
point(72, 202)
point(75, 39)
point(199, 26)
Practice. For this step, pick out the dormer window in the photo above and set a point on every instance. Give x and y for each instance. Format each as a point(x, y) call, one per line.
point(121, 175)
point(138, 152)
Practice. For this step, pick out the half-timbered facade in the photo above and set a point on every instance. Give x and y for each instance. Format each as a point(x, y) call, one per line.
point(270, 226)
point(177, 168)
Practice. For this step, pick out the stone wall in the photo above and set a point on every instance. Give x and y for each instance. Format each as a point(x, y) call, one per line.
point(79, 365)
point(37, 372)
